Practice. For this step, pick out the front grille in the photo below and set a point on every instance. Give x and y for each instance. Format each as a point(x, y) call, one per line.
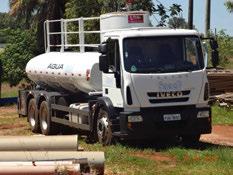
point(168, 97)
point(169, 100)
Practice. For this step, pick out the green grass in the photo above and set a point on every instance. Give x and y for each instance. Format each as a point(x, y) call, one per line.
point(222, 115)
point(204, 160)
point(212, 160)
point(8, 91)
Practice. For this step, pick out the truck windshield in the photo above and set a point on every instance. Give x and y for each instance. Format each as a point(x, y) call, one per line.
point(162, 54)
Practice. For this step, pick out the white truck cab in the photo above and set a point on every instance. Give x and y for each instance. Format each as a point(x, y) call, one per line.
point(158, 78)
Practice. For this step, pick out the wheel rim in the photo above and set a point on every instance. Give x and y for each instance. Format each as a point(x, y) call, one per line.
point(32, 122)
point(44, 119)
point(103, 130)
point(102, 126)
point(32, 116)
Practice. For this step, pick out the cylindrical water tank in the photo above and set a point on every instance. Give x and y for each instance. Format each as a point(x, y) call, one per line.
point(123, 20)
point(71, 71)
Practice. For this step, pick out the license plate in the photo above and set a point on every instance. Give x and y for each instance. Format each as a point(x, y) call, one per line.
point(171, 117)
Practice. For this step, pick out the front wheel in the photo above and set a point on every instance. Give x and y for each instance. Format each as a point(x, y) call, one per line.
point(103, 128)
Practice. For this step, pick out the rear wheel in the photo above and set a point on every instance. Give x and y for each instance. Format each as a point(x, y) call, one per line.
point(103, 128)
point(45, 119)
point(33, 117)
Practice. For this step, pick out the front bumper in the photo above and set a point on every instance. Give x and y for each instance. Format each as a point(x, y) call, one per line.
point(154, 126)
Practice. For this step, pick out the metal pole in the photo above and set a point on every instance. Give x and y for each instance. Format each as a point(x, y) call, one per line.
point(65, 34)
point(81, 35)
point(62, 35)
point(190, 15)
point(207, 17)
point(48, 36)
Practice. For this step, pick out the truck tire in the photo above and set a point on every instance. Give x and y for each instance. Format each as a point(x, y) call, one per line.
point(33, 118)
point(190, 140)
point(45, 119)
point(103, 127)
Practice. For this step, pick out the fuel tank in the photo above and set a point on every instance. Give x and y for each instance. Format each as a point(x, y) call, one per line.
point(70, 71)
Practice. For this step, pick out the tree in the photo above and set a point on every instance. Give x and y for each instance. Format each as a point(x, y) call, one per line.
point(165, 13)
point(177, 22)
point(75, 8)
point(229, 5)
point(18, 52)
point(225, 48)
point(8, 21)
point(33, 13)
point(225, 43)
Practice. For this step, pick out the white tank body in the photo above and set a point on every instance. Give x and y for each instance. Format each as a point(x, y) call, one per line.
point(71, 71)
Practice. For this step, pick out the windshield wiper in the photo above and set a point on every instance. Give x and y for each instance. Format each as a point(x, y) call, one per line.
point(185, 67)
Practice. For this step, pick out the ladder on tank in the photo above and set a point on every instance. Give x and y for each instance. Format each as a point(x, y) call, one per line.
point(64, 33)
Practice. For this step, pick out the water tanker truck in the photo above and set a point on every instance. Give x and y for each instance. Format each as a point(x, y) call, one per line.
point(138, 82)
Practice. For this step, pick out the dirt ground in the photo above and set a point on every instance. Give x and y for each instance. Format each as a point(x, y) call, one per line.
point(221, 134)
point(11, 124)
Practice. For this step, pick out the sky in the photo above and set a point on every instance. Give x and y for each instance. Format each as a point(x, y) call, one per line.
point(220, 17)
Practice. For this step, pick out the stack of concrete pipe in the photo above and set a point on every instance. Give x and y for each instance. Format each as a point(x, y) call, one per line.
point(47, 155)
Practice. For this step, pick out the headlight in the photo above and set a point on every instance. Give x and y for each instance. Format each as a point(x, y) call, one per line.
point(135, 118)
point(203, 114)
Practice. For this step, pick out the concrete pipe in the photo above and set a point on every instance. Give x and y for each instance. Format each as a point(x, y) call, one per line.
point(40, 170)
point(39, 163)
point(39, 143)
point(94, 159)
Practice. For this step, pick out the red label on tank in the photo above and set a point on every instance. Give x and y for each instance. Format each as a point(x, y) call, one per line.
point(130, 1)
point(135, 18)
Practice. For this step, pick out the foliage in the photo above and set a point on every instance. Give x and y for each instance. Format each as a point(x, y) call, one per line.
point(229, 5)
point(75, 8)
point(177, 22)
point(225, 43)
point(18, 52)
point(7, 21)
point(37, 9)
point(166, 13)
point(33, 13)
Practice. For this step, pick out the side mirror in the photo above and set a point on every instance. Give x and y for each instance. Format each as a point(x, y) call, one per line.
point(213, 44)
point(215, 58)
point(205, 52)
point(102, 48)
point(103, 63)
